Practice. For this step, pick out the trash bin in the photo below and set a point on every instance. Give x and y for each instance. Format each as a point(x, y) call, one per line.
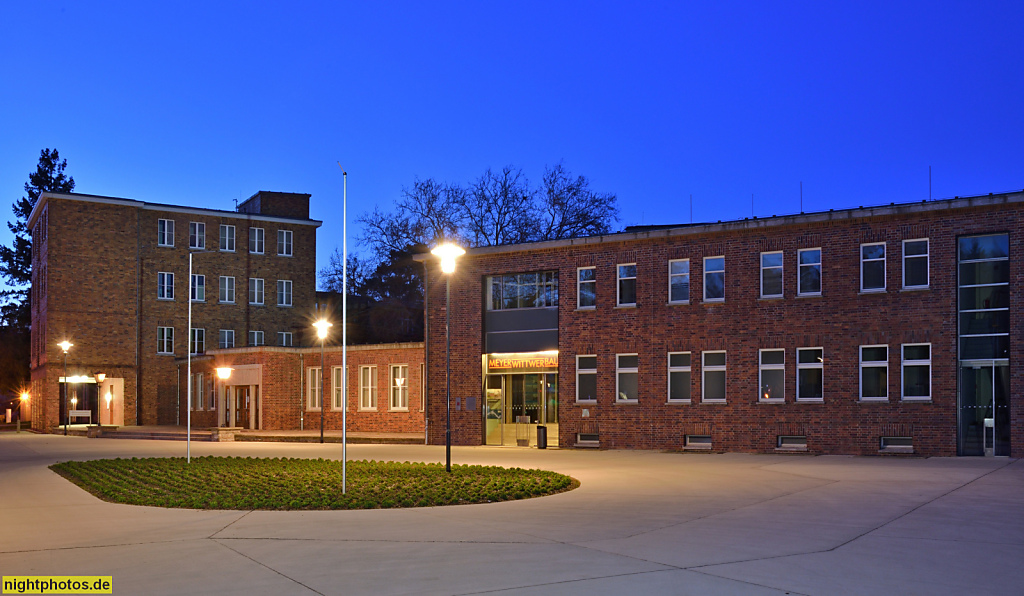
point(542, 436)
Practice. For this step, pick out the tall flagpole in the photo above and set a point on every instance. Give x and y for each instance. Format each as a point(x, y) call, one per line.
point(344, 322)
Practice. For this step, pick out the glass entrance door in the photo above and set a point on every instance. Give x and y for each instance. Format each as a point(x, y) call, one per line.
point(516, 404)
point(984, 408)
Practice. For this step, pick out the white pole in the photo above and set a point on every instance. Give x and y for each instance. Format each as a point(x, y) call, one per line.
point(188, 373)
point(344, 324)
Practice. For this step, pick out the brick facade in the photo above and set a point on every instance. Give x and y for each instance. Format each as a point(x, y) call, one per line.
point(840, 320)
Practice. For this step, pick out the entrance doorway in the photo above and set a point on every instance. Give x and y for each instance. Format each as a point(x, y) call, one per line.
point(984, 408)
point(242, 407)
point(516, 404)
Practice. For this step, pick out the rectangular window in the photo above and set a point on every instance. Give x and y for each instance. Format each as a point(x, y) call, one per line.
point(165, 286)
point(198, 288)
point(626, 377)
point(227, 289)
point(586, 378)
point(284, 243)
point(984, 296)
point(226, 339)
point(399, 387)
point(227, 238)
point(255, 338)
point(771, 274)
point(284, 338)
point(713, 376)
point(165, 340)
point(915, 263)
point(255, 290)
point(809, 274)
point(714, 279)
point(586, 287)
point(627, 284)
point(336, 387)
point(872, 267)
point(679, 377)
point(196, 235)
point(917, 371)
point(523, 290)
point(679, 281)
point(165, 232)
point(256, 240)
point(772, 375)
point(196, 393)
point(284, 292)
point(810, 374)
point(313, 388)
point(874, 373)
point(197, 341)
point(367, 387)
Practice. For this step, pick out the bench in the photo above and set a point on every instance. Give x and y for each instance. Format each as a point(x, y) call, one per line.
point(80, 414)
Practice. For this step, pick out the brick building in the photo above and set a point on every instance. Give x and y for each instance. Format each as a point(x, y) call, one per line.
point(863, 331)
point(111, 276)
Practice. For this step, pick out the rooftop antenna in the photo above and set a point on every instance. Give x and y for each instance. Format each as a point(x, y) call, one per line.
point(801, 196)
point(236, 204)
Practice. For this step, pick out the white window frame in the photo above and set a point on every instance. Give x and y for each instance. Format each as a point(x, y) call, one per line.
point(579, 284)
point(337, 403)
point(284, 292)
point(284, 339)
point(707, 273)
point(197, 288)
point(800, 266)
point(762, 367)
point(918, 363)
point(864, 261)
point(626, 370)
point(705, 368)
point(197, 235)
point(284, 243)
point(197, 339)
point(164, 340)
point(368, 387)
point(819, 365)
point(679, 369)
point(256, 241)
point(227, 238)
point(619, 278)
point(256, 294)
point(196, 405)
point(165, 237)
point(226, 339)
point(256, 338)
point(927, 263)
point(864, 364)
point(585, 371)
point(313, 380)
point(399, 393)
point(671, 276)
point(782, 275)
point(164, 285)
point(226, 290)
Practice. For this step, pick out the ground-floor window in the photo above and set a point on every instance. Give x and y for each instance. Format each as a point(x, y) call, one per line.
point(810, 365)
point(399, 387)
point(367, 387)
point(772, 373)
point(713, 374)
point(874, 372)
point(586, 378)
point(313, 398)
point(626, 377)
point(679, 376)
point(917, 371)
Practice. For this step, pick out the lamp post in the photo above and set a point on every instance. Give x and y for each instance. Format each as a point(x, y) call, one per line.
point(66, 345)
point(224, 373)
point(99, 387)
point(21, 407)
point(448, 253)
point(321, 332)
point(344, 322)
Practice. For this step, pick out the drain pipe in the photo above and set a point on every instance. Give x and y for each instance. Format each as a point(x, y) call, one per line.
point(301, 413)
point(177, 397)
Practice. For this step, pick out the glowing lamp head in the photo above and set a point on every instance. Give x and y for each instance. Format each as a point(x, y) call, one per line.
point(321, 328)
point(223, 372)
point(65, 345)
point(448, 253)
point(24, 396)
point(100, 377)
point(109, 397)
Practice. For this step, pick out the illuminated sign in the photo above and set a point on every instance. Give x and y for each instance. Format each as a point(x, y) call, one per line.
point(522, 362)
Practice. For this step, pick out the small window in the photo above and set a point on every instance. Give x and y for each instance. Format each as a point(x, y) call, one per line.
point(165, 232)
point(196, 235)
point(896, 444)
point(713, 376)
point(227, 238)
point(917, 371)
point(367, 387)
point(197, 341)
point(284, 338)
point(679, 281)
point(714, 279)
point(809, 274)
point(626, 377)
point(256, 240)
point(627, 284)
point(872, 267)
point(284, 292)
point(810, 365)
point(586, 287)
point(227, 289)
point(586, 378)
point(792, 443)
point(198, 288)
point(313, 387)
point(284, 243)
point(255, 290)
point(399, 387)
point(165, 286)
point(772, 375)
point(698, 442)
point(874, 373)
point(226, 339)
point(337, 403)
point(679, 377)
point(771, 274)
point(915, 264)
point(165, 340)
point(255, 338)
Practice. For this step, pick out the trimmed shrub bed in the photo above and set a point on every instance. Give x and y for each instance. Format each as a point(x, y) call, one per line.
point(284, 484)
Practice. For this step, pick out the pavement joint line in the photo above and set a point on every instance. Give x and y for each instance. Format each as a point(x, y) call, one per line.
point(387, 541)
point(233, 522)
point(118, 545)
point(268, 567)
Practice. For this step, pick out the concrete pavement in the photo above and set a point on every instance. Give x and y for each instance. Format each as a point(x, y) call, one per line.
point(641, 521)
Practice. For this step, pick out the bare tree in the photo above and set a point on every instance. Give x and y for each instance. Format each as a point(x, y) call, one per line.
point(427, 213)
point(569, 209)
point(499, 209)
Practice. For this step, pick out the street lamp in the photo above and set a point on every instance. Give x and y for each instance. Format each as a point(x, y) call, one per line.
point(66, 345)
point(448, 253)
point(99, 387)
point(21, 407)
point(224, 373)
point(321, 332)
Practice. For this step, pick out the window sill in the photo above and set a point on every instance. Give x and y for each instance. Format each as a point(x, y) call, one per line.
point(225, 250)
point(916, 400)
point(226, 302)
point(714, 301)
point(873, 400)
point(915, 289)
point(165, 353)
point(680, 303)
point(397, 409)
point(811, 400)
point(281, 255)
point(625, 306)
point(818, 295)
point(165, 299)
point(713, 402)
point(255, 253)
point(679, 402)
point(772, 401)
point(586, 402)
point(627, 402)
point(771, 298)
point(312, 409)
point(869, 292)
point(367, 410)
point(256, 304)
point(586, 309)
point(165, 246)
point(285, 306)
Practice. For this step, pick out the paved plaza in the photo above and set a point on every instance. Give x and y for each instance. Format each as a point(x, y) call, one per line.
point(641, 522)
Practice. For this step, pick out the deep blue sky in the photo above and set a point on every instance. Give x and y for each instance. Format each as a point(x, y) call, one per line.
point(203, 103)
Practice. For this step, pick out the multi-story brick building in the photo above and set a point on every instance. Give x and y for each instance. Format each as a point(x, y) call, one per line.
point(111, 276)
point(863, 331)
